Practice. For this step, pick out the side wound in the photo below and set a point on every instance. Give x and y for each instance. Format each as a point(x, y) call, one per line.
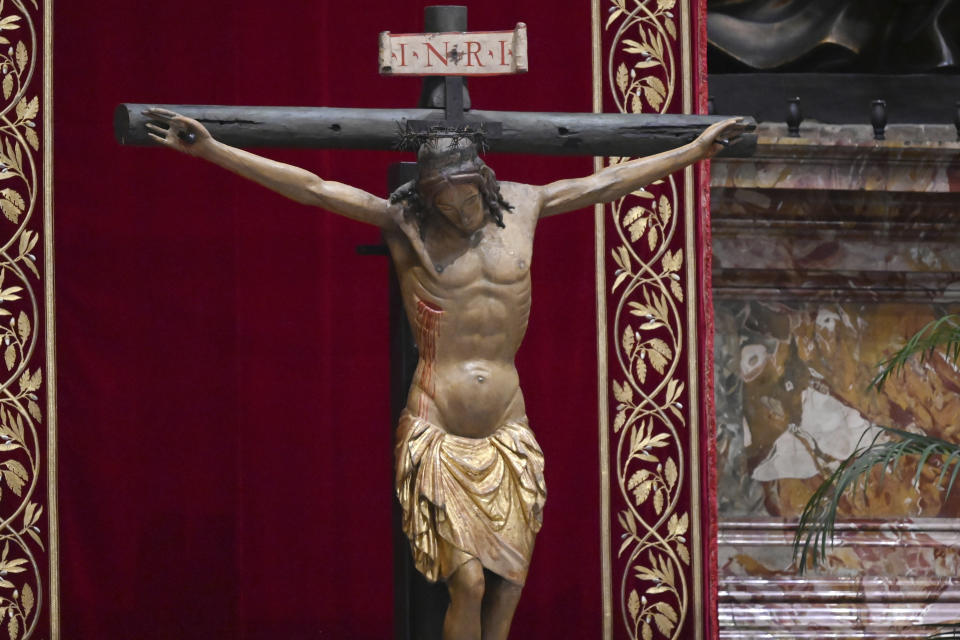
point(428, 326)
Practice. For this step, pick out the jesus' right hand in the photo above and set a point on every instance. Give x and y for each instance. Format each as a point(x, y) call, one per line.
point(179, 133)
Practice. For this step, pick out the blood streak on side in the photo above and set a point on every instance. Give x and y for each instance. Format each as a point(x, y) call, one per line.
point(428, 326)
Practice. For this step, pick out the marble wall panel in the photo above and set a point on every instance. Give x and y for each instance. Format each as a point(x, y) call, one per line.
point(819, 276)
point(793, 400)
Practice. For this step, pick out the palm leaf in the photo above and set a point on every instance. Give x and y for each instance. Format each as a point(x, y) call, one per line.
point(943, 333)
point(818, 519)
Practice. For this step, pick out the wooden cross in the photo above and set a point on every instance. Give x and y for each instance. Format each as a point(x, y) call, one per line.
point(444, 55)
point(444, 100)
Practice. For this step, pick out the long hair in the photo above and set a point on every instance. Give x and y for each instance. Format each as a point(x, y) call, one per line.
point(440, 162)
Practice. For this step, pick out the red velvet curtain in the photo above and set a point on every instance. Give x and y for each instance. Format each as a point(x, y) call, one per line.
point(225, 443)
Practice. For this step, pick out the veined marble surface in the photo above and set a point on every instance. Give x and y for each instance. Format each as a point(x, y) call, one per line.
point(793, 401)
point(830, 250)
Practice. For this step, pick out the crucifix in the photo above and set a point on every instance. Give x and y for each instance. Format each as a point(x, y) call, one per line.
point(469, 478)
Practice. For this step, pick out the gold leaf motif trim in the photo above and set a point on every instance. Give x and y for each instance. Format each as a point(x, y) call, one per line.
point(649, 428)
point(22, 198)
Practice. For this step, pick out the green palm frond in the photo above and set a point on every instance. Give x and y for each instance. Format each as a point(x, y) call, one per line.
point(818, 519)
point(943, 334)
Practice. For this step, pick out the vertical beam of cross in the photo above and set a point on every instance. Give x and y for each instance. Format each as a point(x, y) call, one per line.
point(453, 98)
point(437, 90)
point(418, 606)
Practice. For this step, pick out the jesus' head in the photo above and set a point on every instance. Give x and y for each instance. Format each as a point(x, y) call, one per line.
point(454, 183)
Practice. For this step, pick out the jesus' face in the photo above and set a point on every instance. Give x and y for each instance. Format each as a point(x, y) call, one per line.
point(461, 204)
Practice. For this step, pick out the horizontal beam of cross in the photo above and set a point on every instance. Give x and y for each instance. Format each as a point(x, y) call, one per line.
point(591, 134)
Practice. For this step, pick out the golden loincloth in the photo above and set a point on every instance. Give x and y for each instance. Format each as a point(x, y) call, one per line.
point(468, 498)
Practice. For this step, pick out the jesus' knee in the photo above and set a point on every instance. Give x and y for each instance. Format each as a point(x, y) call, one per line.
point(467, 584)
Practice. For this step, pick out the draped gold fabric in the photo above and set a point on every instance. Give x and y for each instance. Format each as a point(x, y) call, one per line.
point(468, 498)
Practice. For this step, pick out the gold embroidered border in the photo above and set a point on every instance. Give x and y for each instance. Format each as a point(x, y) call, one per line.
point(653, 296)
point(27, 401)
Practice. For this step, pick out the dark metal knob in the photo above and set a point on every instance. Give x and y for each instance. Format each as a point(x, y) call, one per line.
point(794, 117)
point(878, 118)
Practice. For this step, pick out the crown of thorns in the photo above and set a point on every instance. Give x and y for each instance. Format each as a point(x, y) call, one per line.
point(411, 139)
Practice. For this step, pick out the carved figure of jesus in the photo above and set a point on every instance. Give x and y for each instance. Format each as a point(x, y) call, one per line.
point(469, 472)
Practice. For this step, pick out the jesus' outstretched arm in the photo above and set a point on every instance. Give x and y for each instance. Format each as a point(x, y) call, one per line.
point(620, 179)
point(189, 136)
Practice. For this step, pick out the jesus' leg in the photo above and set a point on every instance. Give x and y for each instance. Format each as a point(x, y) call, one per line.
point(500, 600)
point(466, 587)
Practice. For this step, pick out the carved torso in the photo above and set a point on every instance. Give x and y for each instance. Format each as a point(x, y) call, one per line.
point(468, 308)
